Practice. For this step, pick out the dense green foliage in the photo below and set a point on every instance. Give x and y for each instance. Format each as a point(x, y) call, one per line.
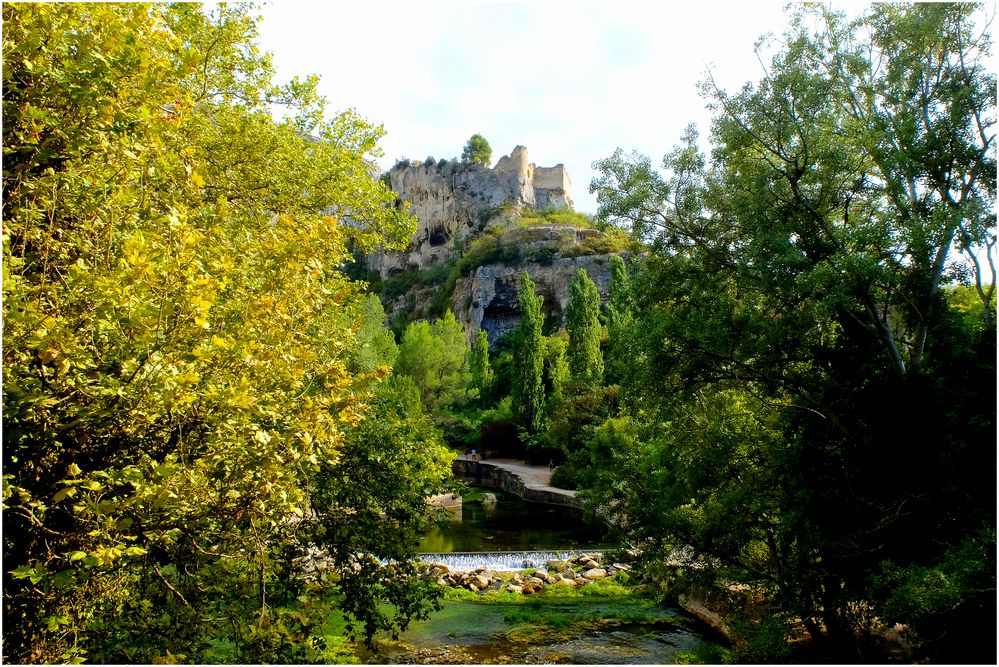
point(393, 461)
point(556, 369)
point(184, 374)
point(554, 216)
point(528, 389)
point(811, 408)
point(373, 346)
point(618, 313)
point(582, 322)
point(800, 372)
point(479, 367)
point(477, 150)
point(436, 357)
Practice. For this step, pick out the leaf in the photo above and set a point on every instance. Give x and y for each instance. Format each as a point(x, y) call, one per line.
point(52, 623)
point(62, 494)
point(77, 555)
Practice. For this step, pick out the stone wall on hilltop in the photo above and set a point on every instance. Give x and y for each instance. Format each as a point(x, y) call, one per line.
point(455, 201)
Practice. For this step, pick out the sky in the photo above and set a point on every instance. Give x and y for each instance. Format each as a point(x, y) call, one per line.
point(570, 80)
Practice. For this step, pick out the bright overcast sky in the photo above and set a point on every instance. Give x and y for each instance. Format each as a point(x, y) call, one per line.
point(571, 81)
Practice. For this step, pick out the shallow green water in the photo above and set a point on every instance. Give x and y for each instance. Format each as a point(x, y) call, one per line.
point(514, 525)
point(579, 631)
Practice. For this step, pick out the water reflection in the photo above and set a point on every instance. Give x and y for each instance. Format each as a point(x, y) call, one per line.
point(511, 524)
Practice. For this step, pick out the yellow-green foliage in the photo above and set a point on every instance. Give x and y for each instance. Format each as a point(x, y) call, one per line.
point(557, 216)
point(174, 341)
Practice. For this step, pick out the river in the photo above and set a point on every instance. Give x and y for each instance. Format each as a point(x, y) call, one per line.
point(512, 524)
point(587, 627)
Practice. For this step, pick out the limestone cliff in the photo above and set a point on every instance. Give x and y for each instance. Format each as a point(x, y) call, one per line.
point(478, 230)
point(455, 201)
point(488, 299)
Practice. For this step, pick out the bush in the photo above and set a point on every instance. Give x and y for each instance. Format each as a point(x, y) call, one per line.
point(543, 255)
point(565, 476)
point(555, 216)
point(765, 640)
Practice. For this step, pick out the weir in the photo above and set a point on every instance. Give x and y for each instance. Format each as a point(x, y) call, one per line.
point(500, 561)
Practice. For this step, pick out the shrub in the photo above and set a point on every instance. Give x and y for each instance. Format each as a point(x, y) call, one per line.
point(555, 216)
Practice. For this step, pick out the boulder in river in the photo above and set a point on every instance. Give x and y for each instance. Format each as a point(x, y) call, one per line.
point(595, 573)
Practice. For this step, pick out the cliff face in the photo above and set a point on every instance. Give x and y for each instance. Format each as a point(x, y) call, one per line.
point(455, 201)
point(456, 204)
point(488, 299)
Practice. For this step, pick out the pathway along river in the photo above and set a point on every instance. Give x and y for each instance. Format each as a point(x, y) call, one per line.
point(581, 629)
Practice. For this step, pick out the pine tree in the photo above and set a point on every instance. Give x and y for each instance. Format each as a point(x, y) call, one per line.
point(477, 150)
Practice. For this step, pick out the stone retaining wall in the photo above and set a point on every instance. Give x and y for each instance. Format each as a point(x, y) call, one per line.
point(483, 473)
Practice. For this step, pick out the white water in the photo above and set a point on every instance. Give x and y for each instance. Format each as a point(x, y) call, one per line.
point(467, 561)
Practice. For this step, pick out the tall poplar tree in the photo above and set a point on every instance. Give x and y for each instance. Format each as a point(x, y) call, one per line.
point(481, 370)
point(619, 318)
point(529, 359)
point(583, 324)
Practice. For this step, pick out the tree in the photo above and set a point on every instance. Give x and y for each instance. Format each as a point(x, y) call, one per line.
point(619, 320)
point(394, 446)
point(174, 367)
point(582, 321)
point(790, 327)
point(481, 371)
point(374, 345)
point(556, 368)
point(528, 389)
point(477, 151)
point(436, 357)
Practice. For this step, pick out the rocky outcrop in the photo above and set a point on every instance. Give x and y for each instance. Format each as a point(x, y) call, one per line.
point(445, 500)
point(488, 299)
point(455, 201)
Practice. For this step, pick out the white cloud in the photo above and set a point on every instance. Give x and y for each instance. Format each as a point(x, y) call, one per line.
point(569, 80)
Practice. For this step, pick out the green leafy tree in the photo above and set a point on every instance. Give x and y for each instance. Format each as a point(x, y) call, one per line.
point(175, 343)
point(436, 357)
point(479, 367)
point(396, 444)
point(582, 321)
point(477, 151)
point(374, 344)
point(791, 324)
point(528, 390)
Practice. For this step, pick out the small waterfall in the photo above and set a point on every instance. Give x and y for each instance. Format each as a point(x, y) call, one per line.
point(467, 561)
